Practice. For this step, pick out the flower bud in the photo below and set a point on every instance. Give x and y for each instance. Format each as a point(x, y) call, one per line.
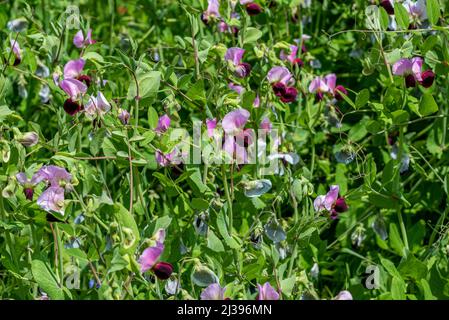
point(427, 78)
point(386, 4)
point(123, 116)
point(163, 270)
point(410, 81)
point(340, 89)
point(289, 95)
point(28, 193)
point(253, 9)
point(29, 139)
point(279, 89)
point(72, 107)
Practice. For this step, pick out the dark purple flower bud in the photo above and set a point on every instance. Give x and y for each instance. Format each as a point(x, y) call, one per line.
point(303, 48)
point(86, 79)
point(386, 4)
point(427, 78)
point(17, 61)
point(253, 9)
point(319, 96)
point(289, 95)
point(28, 193)
point(205, 19)
point(340, 205)
point(243, 70)
point(410, 81)
point(340, 89)
point(72, 107)
point(163, 270)
point(279, 89)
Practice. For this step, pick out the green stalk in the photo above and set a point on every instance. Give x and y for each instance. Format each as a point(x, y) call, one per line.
point(7, 234)
point(228, 197)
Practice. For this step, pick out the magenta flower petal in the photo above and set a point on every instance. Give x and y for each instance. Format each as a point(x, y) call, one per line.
point(150, 256)
point(279, 74)
point(417, 67)
point(17, 51)
point(73, 68)
point(318, 85)
point(401, 67)
point(236, 88)
point(331, 81)
point(52, 199)
point(267, 292)
point(211, 124)
point(78, 39)
point(21, 178)
point(234, 55)
point(235, 120)
point(74, 88)
point(266, 124)
point(163, 124)
point(331, 197)
point(89, 39)
point(213, 292)
point(256, 102)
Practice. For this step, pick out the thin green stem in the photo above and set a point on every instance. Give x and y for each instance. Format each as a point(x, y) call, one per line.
point(228, 197)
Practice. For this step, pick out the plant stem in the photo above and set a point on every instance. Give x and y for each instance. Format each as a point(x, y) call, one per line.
point(228, 197)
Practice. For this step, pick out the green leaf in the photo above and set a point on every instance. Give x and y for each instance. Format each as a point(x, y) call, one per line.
point(4, 112)
point(427, 105)
point(433, 11)
point(362, 98)
point(200, 204)
point(223, 229)
point(252, 35)
point(401, 16)
point(125, 219)
point(153, 117)
point(412, 268)
point(148, 85)
point(400, 116)
point(214, 243)
point(46, 280)
point(398, 289)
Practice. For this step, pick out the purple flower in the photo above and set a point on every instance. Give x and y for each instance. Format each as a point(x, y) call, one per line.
point(79, 41)
point(253, 9)
point(123, 116)
point(212, 11)
point(327, 85)
point(55, 176)
point(73, 68)
point(28, 185)
point(388, 6)
point(234, 121)
point(292, 57)
point(235, 87)
point(289, 95)
point(279, 74)
point(213, 292)
point(52, 199)
point(267, 292)
point(211, 124)
point(331, 202)
point(234, 57)
point(410, 69)
point(256, 102)
point(427, 78)
point(344, 295)
point(266, 124)
point(318, 85)
point(163, 124)
point(416, 10)
point(97, 105)
point(150, 257)
point(17, 52)
point(172, 158)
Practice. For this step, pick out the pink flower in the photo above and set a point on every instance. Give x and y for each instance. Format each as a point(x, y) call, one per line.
point(172, 158)
point(97, 105)
point(79, 40)
point(54, 175)
point(74, 68)
point(327, 85)
point(234, 57)
point(236, 88)
point(211, 124)
point(52, 199)
point(331, 202)
point(72, 85)
point(28, 185)
point(344, 295)
point(292, 57)
point(123, 116)
point(17, 52)
point(256, 102)
point(212, 11)
point(150, 256)
point(410, 69)
point(163, 124)
point(213, 292)
point(279, 74)
point(267, 292)
point(235, 120)
point(266, 124)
